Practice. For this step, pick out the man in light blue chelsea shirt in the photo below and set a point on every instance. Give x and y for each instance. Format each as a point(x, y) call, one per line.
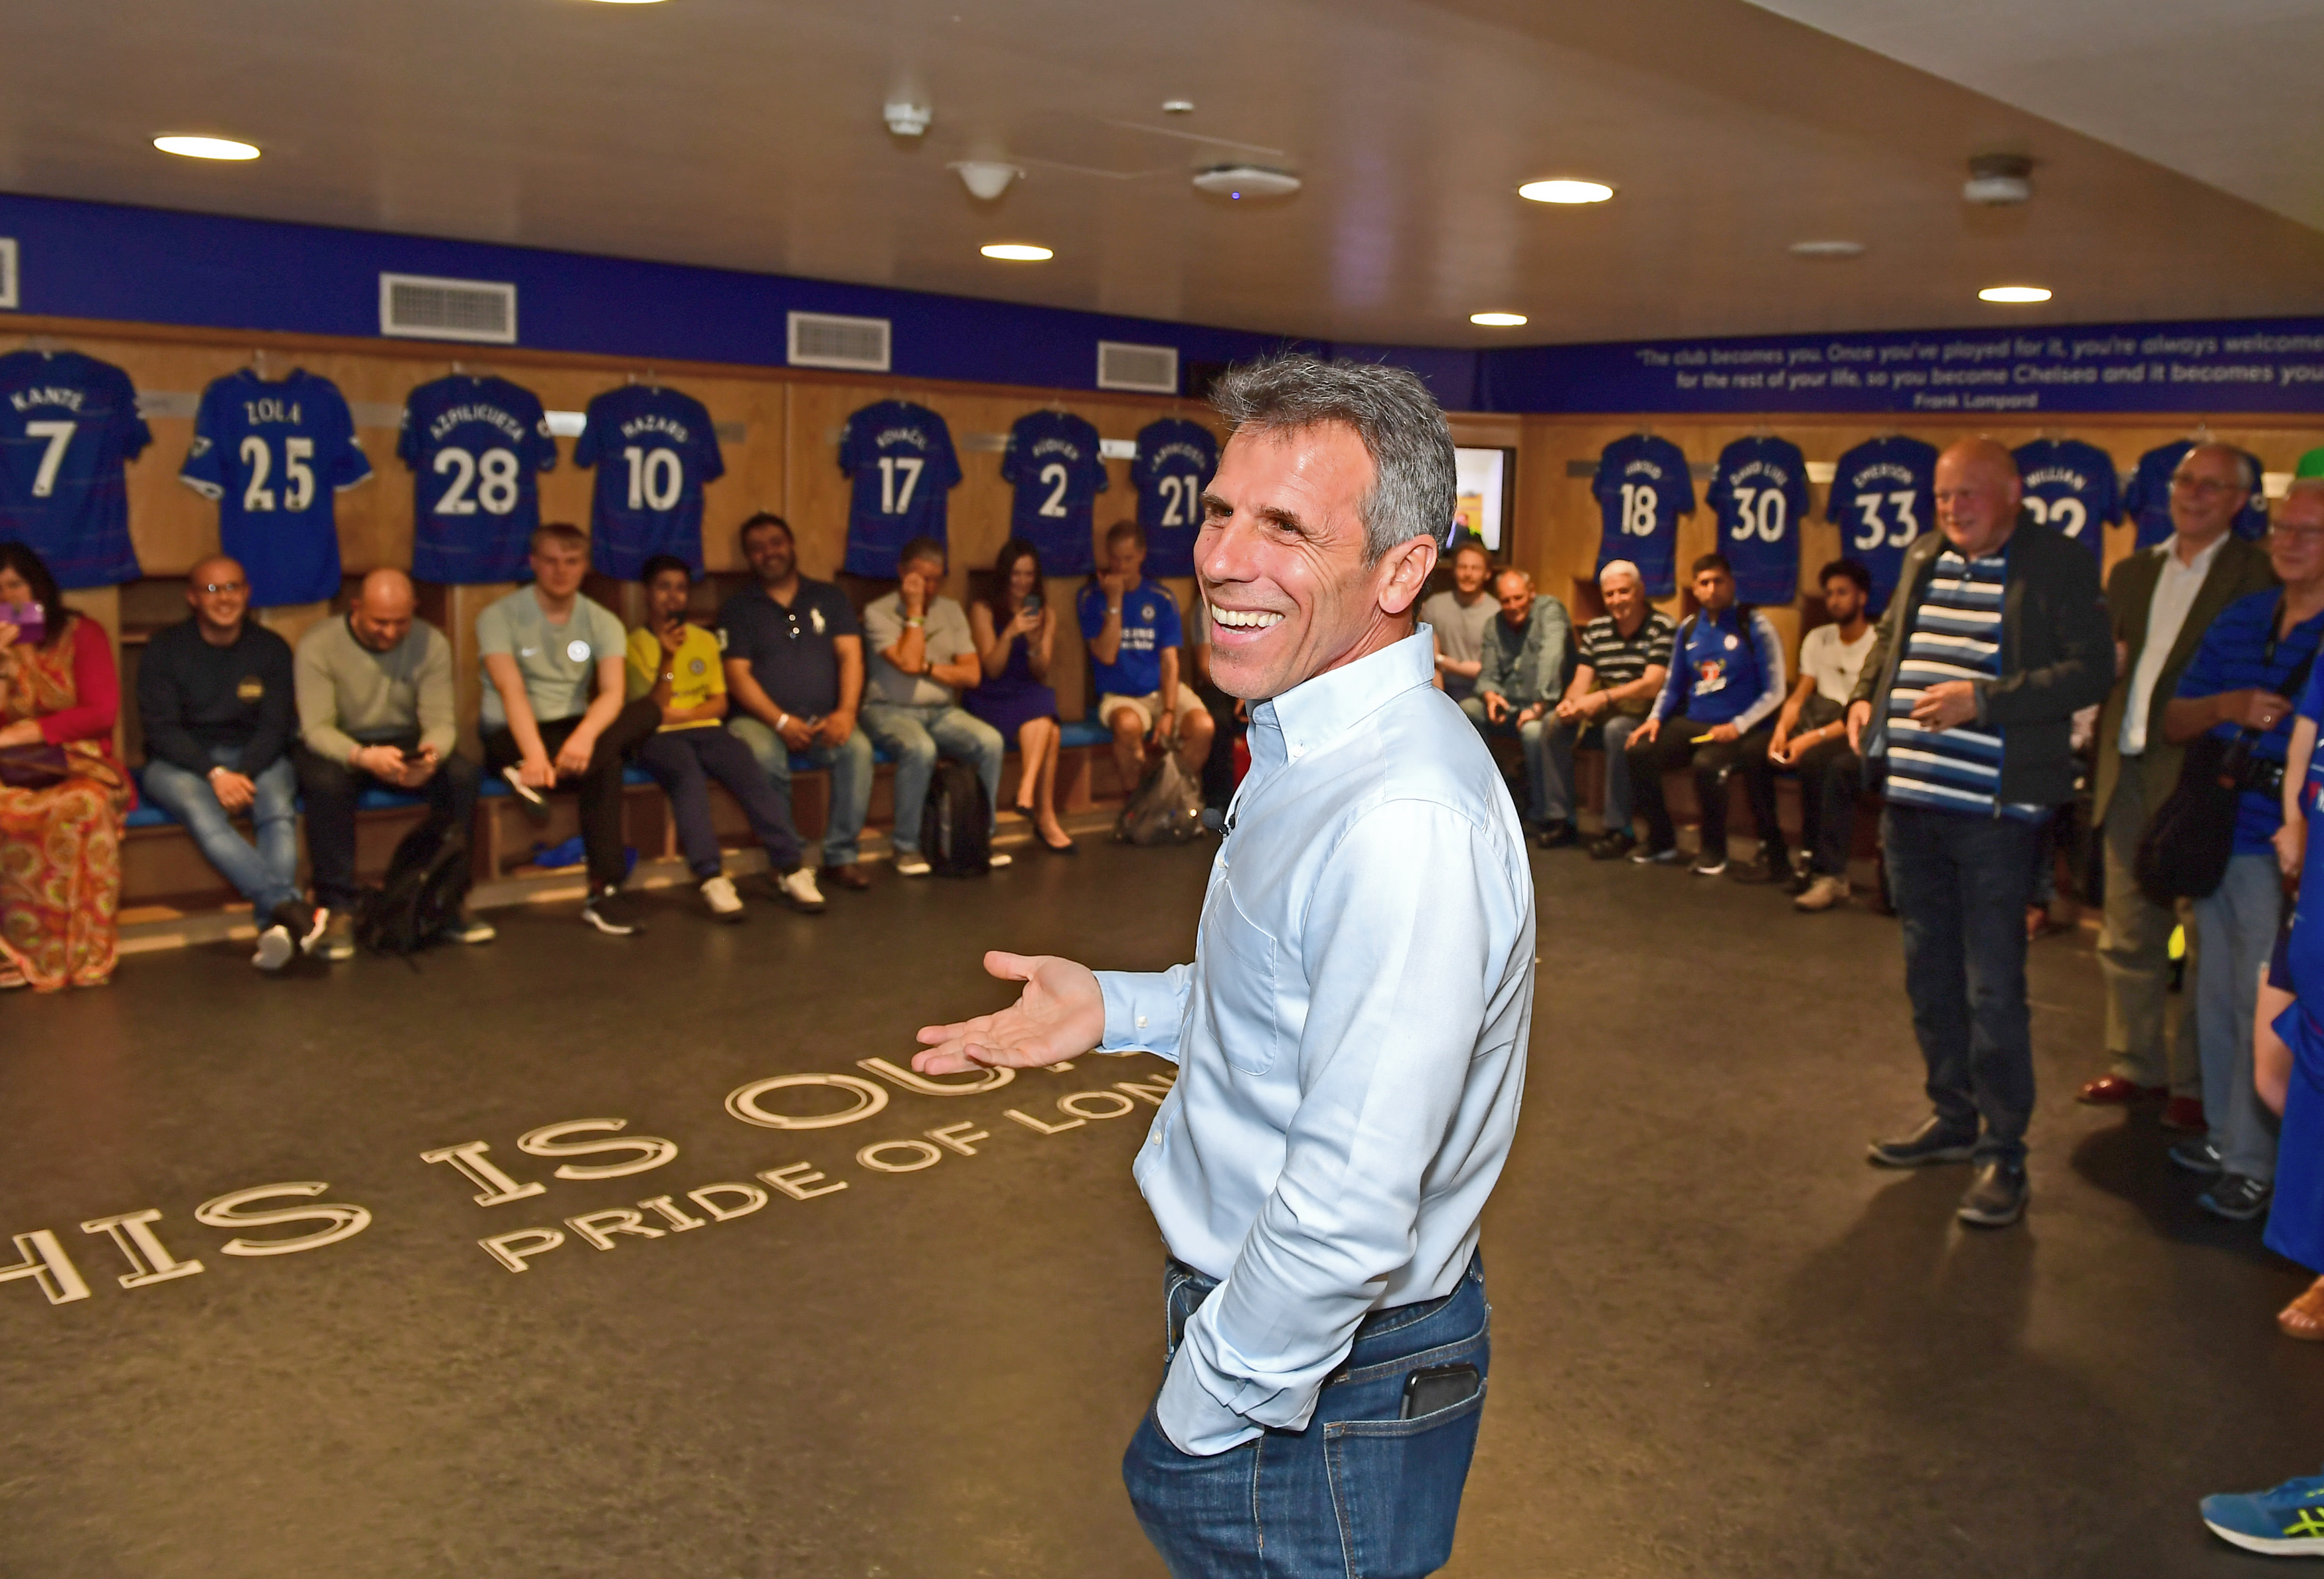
point(1351, 1037)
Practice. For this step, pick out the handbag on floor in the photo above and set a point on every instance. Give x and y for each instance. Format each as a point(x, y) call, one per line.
point(1168, 808)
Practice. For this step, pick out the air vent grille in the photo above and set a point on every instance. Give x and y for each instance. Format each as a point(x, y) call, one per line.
point(419, 307)
point(1148, 369)
point(7, 271)
point(823, 339)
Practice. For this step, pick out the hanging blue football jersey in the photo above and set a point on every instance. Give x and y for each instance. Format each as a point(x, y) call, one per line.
point(901, 458)
point(2070, 486)
point(1175, 458)
point(476, 446)
point(275, 455)
point(1054, 463)
point(653, 448)
point(1760, 492)
point(2147, 499)
point(1883, 496)
point(1643, 488)
point(68, 424)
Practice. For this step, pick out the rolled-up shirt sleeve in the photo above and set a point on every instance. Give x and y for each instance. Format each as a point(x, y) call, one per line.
point(1410, 929)
point(1145, 1010)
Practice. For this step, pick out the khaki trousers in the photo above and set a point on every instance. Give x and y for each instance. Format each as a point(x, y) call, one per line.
point(2143, 1042)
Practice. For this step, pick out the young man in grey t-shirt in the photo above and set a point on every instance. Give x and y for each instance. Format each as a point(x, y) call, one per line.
point(556, 712)
point(923, 652)
point(1459, 614)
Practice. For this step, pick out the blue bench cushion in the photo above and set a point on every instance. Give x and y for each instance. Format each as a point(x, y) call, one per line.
point(1084, 732)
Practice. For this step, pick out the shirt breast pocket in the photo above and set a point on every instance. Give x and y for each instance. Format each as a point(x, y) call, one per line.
point(1239, 983)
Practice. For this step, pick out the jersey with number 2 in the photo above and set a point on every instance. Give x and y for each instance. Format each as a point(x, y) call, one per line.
point(1643, 488)
point(1054, 463)
point(274, 453)
point(1760, 492)
point(475, 447)
point(1883, 496)
point(901, 458)
point(653, 448)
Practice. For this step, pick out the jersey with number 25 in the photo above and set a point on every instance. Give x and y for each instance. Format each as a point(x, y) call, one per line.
point(1643, 488)
point(67, 422)
point(901, 458)
point(653, 448)
point(1883, 496)
point(475, 447)
point(275, 455)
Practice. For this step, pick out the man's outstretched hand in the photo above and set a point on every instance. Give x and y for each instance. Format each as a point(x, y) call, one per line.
point(1060, 1015)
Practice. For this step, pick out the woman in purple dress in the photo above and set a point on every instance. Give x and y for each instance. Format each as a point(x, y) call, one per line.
point(1014, 635)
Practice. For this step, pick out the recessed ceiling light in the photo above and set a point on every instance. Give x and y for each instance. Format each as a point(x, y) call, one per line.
point(1567, 191)
point(628, 2)
point(205, 147)
point(1827, 249)
point(1017, 252)
point(1177, 106)
point(2014, 294)
point(1497, 321)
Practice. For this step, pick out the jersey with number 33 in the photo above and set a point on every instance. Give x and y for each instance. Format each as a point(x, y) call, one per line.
point(475, 447)
point(901, 458)
point(653, 448)
point(68, 423)
point(1643, 488)
point(1883, 496)
point(275, 454)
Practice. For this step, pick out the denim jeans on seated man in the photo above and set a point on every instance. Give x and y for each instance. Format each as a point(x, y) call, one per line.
point(1533, 739)
point(916, 737)
point(1560, 796)
point(331, 790)
point(850, 765)
point(265, 875)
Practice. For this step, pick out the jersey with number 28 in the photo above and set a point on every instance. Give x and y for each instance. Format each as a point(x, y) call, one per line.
point(475, 447)
point(901, 458)
point(274, 453)
point(653, 448)
point(1883, 496)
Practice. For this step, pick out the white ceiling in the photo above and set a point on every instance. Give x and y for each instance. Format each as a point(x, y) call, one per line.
point(746, 134)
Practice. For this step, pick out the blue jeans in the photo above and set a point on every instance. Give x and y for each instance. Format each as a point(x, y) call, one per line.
point(1542, 791)
point(914, 736)
point(1960, 882)
point(2234, 930)
point(850, 763)
point(1562, 737)
point(1359, 1491)
point(266, 875)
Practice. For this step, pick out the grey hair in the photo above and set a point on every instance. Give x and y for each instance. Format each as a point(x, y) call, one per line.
point(1620, 567)
point(2245, 478)
point(2304, 486)
point(1413, 486)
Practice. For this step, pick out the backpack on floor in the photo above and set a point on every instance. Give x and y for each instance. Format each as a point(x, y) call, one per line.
point(1168, 808)
point(956, 822)
point(427, 883)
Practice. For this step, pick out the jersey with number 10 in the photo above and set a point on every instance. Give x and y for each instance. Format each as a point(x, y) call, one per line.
point(653, 448)
point(1053, 461)
point(901, 458)
point(1175, 458)
point(275, 455)
point(1643, 488)
point(2070, 485)
point(1760, 492)
point(475, 447)
point(1883, 496)
point(68, 423)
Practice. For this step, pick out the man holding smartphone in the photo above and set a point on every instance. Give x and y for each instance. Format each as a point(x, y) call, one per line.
point(1131, 625)
point(1351, 1037)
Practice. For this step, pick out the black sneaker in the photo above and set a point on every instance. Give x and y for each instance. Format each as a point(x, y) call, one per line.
point(1996, 1196)
point(2236, 1197)
point(1557, 836)
point(2197, 1156)
point(1929, 1144)
point(1760, 868)
point(608, 911)
point(1710, 864)
point(1648, 855)
point(1613, 846)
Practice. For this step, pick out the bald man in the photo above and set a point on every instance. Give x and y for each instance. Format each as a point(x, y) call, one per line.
point(214, 696)
point(375, 709)
point(1996, 636)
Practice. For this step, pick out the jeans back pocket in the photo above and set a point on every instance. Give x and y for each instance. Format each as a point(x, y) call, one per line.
point(1395, 1487)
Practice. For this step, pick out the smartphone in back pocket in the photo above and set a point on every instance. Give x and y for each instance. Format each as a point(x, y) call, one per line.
point(1439, 1387)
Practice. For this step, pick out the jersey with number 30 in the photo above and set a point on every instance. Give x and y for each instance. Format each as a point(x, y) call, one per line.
point(475, 447)
point(1883, 496)
point(1643, 488)
point(901, 458)
point(1760, 492)
point(653, 448)
point(1053, 462)
point(2070, 486)
point(275, 455)
point(1175, 458)
point(68, 423)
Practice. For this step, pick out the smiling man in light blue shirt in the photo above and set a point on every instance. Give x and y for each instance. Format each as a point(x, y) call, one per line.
point(1351, 1037)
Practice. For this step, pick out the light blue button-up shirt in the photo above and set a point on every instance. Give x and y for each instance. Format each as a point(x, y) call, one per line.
point(1350, 1040)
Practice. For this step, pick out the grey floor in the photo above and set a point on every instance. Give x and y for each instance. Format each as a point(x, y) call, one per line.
point(1724, 1346)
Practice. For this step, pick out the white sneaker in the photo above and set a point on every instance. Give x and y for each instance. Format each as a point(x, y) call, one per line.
point(719, 893)
point(275, 949)
point(799, 892)
point(1001, 858)
point(911, 863)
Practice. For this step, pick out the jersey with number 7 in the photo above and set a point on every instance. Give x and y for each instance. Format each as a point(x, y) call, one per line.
point(653, 448)
point(1883, 496)
point(67, 422)
point(275, 454)
point(901, 458)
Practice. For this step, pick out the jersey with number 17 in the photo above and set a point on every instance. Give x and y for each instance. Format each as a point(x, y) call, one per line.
point(475, 447)
point(68, 423)
point(1883, 496)
point(274, 453)
point(901, 458)
point(1643, 488)
point(653, 448)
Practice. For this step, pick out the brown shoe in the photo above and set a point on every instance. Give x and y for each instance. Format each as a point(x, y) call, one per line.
point(2114, 1091)
point(1823, 895)
point(2185, 1114)
point(848, 876)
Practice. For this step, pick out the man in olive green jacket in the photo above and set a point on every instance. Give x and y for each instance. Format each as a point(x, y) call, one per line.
point(2162, 600)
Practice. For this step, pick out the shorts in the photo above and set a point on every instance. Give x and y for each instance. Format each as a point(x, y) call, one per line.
point(1147, 707)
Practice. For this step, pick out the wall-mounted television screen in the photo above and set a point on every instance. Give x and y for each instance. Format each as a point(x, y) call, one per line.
point(1485, 495)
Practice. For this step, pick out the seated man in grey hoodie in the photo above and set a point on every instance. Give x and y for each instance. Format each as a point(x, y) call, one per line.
point(1527, 650)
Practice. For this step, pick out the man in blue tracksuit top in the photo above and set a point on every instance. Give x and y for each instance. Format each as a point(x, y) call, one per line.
point(1716, 713)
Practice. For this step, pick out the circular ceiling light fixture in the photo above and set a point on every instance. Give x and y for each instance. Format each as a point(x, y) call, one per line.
point(1017, 252)
point(1565, 192)
point(1827, 249)
point(205, 147)
point(1246, 180)
point(1177, 106)
point(1497, 321)
point(2014, 294)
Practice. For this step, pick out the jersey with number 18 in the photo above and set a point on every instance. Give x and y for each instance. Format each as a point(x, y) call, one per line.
point(275, 454)
point(653, 448)
point(476, 446)
point(1883, 496)
point(901, 458)
point(1643, 488)
point(68, 424)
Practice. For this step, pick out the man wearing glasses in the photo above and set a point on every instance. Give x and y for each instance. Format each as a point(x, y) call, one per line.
point(2162, 599)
